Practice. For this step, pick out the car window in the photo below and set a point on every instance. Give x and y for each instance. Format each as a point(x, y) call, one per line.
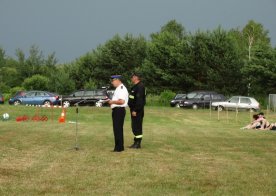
point(78, 94)
point(216, 97)
point(245, 100)
point(206, 97)
point(101, 93)
point(89, 93)
point(191, 95)
point(234, 100)
point(41, 94)
point(198, 96)
point(30, 94)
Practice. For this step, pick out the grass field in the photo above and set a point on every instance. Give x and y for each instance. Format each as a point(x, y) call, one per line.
point(184, 152)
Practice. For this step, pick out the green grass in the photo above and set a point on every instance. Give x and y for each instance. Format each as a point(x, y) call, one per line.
point(184, 152)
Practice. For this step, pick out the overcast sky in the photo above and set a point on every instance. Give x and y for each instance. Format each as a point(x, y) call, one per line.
point(73, 27)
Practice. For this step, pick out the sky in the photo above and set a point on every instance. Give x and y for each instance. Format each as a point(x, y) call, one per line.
point(71, 28)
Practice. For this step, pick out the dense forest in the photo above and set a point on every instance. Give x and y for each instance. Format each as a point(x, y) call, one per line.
point(236, 61)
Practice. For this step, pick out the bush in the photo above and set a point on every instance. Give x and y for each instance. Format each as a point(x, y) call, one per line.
point(165, 97)
point(160, 100)
point(153, 100)
point(36, 82)
point(4, 88)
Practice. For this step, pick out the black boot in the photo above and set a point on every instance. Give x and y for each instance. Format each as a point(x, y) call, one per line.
point(136, 145)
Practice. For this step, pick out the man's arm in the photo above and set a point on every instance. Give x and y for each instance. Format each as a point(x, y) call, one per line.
point(117, 102)
point(140, 96)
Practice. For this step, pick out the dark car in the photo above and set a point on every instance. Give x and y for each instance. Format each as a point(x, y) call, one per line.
point(176, 100)
point(85, 97)
point(34, 98)
point(1, 98)
point(201, 99)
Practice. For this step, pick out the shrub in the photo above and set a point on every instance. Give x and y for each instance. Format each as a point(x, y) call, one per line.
point(36, 82)
point(165, 97)
point(160, 100)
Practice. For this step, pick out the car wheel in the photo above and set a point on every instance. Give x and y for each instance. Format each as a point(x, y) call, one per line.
point(177, 105)
point(99, 104)
point(219, 108)
point(66, 104)
point(17, 102)
point(195, 107)
point(47, 103)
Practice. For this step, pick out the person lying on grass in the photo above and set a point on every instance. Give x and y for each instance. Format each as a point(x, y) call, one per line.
point(272, 127)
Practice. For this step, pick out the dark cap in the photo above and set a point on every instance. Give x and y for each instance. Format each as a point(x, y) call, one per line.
point(118, 77)
point(139, 75)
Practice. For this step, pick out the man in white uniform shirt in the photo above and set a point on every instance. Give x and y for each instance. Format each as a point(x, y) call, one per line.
point(118, 103)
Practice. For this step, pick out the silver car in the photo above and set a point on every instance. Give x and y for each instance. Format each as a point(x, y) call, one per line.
point(237, 103)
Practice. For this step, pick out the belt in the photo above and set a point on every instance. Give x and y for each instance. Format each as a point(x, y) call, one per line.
point(116, 108)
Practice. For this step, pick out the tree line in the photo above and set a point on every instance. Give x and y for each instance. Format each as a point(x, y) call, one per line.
point(236, 61)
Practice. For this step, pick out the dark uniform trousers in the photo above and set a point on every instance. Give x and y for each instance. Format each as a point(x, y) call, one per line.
point(137, 125)
point(118, 117)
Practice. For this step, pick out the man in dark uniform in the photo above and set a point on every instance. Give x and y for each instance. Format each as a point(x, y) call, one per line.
point(136, 103)
point(118, 103)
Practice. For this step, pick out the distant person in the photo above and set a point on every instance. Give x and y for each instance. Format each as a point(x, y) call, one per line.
point(136, 103)
point(255, 123)
point(271, 127)
point(259, 122)
point(118, 103)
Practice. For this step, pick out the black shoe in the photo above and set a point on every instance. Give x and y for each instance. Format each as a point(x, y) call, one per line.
point(132, 145)
point(136, 145)
point(118, 149)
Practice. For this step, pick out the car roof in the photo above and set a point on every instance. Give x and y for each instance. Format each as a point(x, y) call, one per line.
point(202, 91)
point(90, 90)
point(243, 97)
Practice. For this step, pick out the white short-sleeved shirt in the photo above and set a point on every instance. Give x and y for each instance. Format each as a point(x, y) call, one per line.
point(120, 93)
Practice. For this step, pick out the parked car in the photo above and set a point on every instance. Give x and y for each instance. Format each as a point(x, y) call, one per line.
point(34, 98)
point(1, 98)
point(176, 100)
point(238, 102)
point(86, 97)
point(201, 99)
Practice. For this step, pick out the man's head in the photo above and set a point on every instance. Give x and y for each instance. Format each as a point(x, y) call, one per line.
point(116, 80)
point(135, 78)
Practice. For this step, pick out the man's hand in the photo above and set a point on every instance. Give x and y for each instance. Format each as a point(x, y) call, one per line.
point(133, 113)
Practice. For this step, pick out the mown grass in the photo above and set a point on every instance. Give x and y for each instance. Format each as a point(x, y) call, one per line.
point(184, 152)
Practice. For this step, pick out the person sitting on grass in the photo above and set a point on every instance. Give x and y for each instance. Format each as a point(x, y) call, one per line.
point(259, 122)
point(255, 124)
point(264, 122)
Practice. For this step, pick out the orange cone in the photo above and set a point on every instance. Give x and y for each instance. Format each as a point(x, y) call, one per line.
point(62, 116)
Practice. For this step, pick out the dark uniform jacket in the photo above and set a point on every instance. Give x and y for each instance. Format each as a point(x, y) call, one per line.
point(137, 97)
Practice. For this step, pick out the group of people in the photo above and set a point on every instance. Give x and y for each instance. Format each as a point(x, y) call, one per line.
point(136, 101)
point(260, 122)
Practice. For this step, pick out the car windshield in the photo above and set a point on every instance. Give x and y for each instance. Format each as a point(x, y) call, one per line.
point(179, 96)
point(191, 95)
point(20, 93)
